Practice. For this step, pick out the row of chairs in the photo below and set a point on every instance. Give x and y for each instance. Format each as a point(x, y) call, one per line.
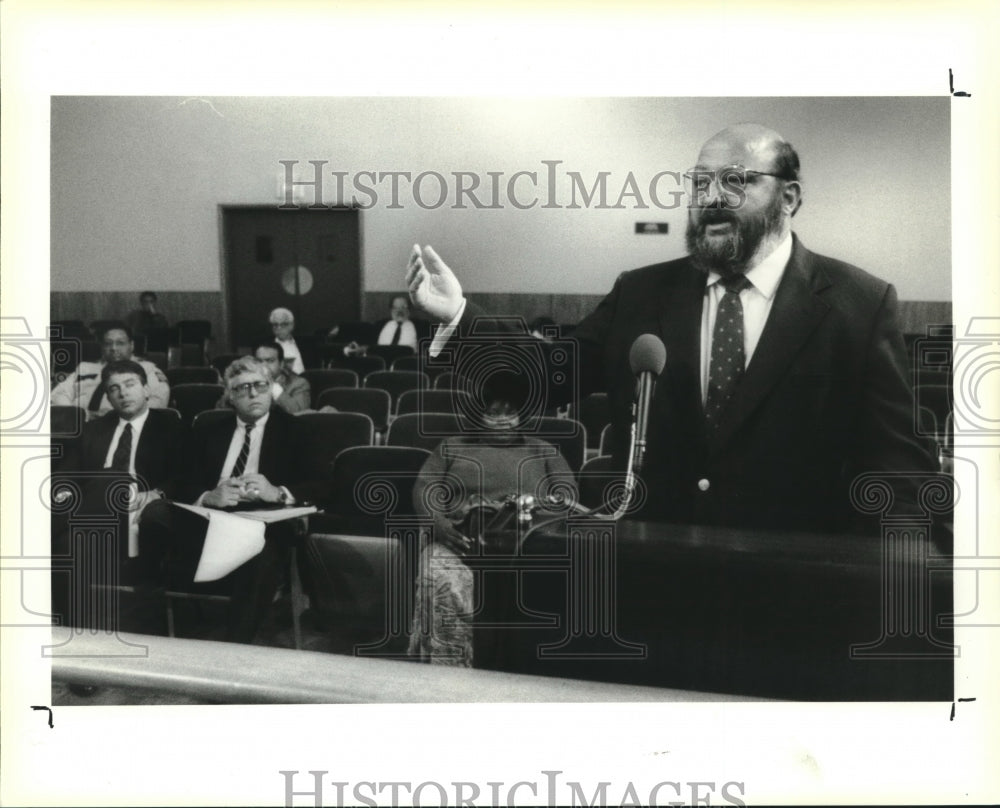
point(334, 431)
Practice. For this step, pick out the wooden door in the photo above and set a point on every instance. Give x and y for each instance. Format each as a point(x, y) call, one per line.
point(308, 261)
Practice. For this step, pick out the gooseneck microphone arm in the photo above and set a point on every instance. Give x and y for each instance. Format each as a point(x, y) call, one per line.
point(647, 356)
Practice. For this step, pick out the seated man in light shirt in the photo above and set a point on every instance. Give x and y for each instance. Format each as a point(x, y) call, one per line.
point(289, 391)
point(283, 325)
point(260, 457)
point(399, 329)
point(84, 387)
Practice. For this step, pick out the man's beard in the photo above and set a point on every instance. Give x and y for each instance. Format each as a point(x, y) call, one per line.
point(730, 257)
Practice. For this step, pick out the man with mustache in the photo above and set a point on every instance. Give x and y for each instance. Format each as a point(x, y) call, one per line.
point(786, 372)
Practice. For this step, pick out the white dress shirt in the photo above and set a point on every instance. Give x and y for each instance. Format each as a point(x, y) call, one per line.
point(445, 330)
point(236, 446)
point(756, 299)
point(408, 336)
point(135, 504)
point(137, 424)
point(291, 351)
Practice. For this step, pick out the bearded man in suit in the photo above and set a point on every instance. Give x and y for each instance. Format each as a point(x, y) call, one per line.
point(785, 374)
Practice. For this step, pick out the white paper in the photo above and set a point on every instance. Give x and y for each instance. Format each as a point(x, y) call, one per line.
point(230, 542)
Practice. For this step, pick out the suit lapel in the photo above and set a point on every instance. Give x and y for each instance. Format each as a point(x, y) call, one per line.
point(796, 312)
point(680, 328)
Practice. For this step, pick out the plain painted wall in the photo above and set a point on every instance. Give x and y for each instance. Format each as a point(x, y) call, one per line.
point(137, 181)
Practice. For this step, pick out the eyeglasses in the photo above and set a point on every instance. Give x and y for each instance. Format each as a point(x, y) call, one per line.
point(728, 178)
point(282, 322)
point(243, 390)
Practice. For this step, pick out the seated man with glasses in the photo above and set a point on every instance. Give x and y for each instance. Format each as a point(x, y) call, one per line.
point(261, 457)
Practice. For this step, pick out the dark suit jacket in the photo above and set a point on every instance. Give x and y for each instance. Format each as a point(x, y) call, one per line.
point(825, 397)
point(159, 458)
point(286, 456)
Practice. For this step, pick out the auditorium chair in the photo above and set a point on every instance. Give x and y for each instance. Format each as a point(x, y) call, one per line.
point(390, 353)
point(65, 425)
point(416, 363)
point(374, 403)
point(453, 401)
point(396, 382)
point(362, 365)
point(191, 399)
point(208, 417)
point(604, 445)
point(188, 374)
point(321, 379)
point(411, 363)
point(447, 380)
point(594, 413)
point(422, 430)
point(361, 555)
point(193, 338)
point(334, 431)
point(598, 480)
point(222, 361)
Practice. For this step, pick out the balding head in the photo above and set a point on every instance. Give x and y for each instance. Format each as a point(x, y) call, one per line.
point(744, 191)
point(753, 146)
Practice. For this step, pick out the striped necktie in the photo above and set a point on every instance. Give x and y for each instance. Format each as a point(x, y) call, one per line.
point(241, 461)
point(726, 367)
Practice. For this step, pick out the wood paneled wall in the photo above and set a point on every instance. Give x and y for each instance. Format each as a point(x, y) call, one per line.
point(915, 315)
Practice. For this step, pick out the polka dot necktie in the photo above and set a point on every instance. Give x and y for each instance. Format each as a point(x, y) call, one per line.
point(726, 368)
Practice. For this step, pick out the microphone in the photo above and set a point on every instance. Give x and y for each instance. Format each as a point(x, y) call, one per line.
point(647, 357)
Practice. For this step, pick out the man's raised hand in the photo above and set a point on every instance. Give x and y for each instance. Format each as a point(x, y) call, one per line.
point(433, 286)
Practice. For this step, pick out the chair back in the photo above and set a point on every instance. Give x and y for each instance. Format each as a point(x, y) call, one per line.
point(594, 413)
point(193, 398)
point(397, 382)
point(371, 483)
point(335, 431)
point(424, 430)
point(446, 380)
point(372, 402)
point(599, 482)
point(390, 353)
point(451, 401)
point(206, 418)
point(321, 379)
point(222, 361)
point(192, 375)
point(362, 365)
point(65, 426)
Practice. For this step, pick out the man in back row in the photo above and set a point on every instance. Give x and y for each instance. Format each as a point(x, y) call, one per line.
point(785, 375)
point(84, 387)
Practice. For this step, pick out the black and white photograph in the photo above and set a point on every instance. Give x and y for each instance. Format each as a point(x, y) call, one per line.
point(509, 438)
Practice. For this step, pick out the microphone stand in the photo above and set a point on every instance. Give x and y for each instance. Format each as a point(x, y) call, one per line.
point(631, 480)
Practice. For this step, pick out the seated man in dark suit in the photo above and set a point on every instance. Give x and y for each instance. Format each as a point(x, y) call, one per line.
point(140, 442)
point(785, 375)
point(261, 457)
